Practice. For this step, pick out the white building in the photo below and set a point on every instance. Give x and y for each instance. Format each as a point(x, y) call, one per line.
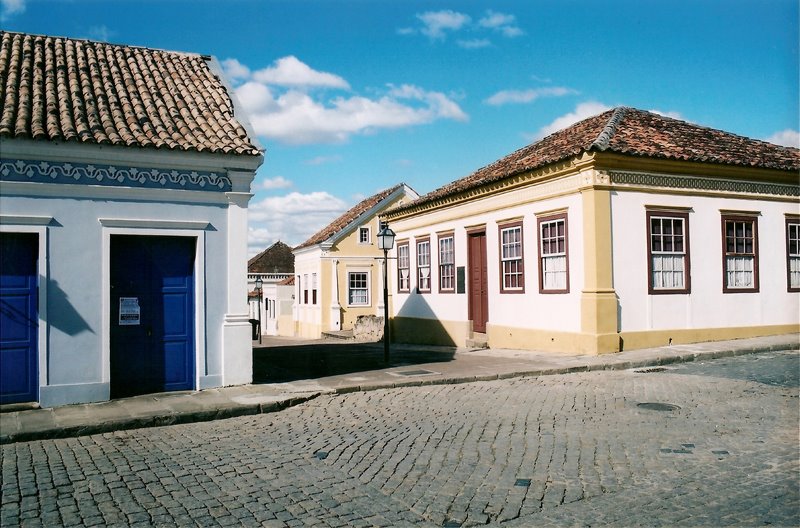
point(271, 267)
point(124, 182)
point(623, 231)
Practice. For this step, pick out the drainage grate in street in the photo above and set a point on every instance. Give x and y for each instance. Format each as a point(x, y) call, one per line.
point(451, 524)
point(525, 483)
point(419, 372)
point(656, 406)
point(650, 370)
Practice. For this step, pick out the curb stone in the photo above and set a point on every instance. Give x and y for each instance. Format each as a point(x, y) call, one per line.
point(237, 410)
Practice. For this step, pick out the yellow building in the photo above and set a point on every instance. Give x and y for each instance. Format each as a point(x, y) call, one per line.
point(339, 270)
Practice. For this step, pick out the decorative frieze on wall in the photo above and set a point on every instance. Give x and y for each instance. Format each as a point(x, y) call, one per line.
point(109, 175)
point(702, 184)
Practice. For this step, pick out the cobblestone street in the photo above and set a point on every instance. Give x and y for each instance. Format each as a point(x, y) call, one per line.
point(716, 444)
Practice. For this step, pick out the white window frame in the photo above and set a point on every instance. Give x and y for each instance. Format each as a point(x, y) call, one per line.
point(364, 236)
point(367, 288)
point(512, 265)
point(403, 264)
point(423, 264)
point(447, 264)
point(553, 263)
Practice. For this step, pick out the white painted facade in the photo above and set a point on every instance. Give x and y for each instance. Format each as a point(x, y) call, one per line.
point(203, 196)
point(706, 306)
point(569, 322)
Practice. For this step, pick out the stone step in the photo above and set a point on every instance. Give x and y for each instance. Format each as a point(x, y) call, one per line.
point(478, 341)
point(338, 334)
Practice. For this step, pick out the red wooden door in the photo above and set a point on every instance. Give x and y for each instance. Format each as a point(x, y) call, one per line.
point(478, 282)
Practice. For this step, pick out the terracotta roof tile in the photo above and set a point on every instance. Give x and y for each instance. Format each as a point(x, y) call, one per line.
point(348, 217)
point(277, 258)
point(64, 89)
point(631, 132)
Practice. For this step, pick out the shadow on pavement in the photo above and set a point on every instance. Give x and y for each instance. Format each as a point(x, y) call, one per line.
point(287, 362)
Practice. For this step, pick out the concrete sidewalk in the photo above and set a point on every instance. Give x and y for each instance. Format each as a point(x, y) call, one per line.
point(341, 368)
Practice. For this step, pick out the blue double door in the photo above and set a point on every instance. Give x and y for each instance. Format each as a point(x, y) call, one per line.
point(19, 317)
point(152, 314)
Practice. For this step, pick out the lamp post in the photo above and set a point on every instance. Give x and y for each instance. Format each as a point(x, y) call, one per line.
point(259, 285)
point(385, 242)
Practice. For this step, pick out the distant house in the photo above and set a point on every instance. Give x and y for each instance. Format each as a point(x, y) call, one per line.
point(625, 230)
point(273, 266)
point(125, 176)
point(338, 275)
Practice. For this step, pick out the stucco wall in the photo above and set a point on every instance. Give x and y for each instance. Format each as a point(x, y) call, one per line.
point(559, 312)
point(706, 306)
point(76, 362)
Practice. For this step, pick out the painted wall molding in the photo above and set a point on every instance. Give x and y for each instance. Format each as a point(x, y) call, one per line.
point(110, 175)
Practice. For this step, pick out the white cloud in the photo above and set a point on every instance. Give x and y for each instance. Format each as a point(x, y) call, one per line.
point(278, 106)
point(437, 22)
point(291, 218)
point(235, 70)
point(323, 160)
point(787, 138)
point(474, 43)
point(269, 184)
point(527, 96)
point(100, 33)
point(582, 111)
point(295, 117)
point(671, 113)
point(505, 24)
point(290, 71)
point(9, 8)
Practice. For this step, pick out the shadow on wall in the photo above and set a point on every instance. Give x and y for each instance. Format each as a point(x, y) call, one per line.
point(278, 364)
point(61, 314)
point(416, 323)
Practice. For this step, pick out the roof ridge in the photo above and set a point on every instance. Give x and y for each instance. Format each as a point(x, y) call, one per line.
point(604, 138)
point(203, 56)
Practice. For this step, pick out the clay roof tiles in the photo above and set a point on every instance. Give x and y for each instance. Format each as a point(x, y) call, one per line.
point(632, 132)
point(62, 89)
point(277, 258)
point(349, 216)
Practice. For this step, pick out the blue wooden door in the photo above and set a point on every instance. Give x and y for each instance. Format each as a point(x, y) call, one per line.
point(154, 352)
point(19, 317)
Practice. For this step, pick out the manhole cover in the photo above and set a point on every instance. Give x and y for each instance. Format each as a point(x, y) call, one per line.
point(420, 372)
point(655, 406)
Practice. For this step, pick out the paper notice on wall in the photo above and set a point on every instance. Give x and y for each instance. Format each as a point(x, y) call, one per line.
point(129, 312)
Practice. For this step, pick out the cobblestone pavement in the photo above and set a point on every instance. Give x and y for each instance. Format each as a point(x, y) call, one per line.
point(718, 445)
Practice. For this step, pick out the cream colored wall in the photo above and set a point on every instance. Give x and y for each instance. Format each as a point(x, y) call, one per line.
point(307, 317)
point(346, 255)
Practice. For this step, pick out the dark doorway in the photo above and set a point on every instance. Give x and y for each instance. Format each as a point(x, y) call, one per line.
point(19, 317)
point(152, 314)
point(478, 281)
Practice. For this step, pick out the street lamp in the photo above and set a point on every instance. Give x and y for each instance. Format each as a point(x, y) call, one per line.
point(259, 285)
point(385, 242)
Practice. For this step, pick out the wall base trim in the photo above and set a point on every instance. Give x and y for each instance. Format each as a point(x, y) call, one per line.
point(57, 395)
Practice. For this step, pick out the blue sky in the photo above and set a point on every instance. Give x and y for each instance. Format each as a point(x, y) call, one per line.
point(353, 96)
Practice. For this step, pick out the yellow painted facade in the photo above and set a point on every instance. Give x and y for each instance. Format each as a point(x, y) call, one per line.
point(333, 263)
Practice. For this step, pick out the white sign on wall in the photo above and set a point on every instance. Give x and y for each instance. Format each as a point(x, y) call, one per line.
point(129, 312)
